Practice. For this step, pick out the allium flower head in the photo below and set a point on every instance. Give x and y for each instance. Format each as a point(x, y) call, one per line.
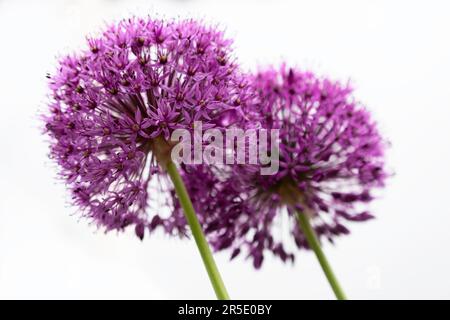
point(331, 160)
point(135, 84)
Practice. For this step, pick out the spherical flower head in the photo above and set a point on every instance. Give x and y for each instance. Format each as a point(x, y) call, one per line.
point(331, 161)
point(112, 103)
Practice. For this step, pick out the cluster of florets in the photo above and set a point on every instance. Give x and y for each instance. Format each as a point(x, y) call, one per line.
point(137, 82)
point(331, 159)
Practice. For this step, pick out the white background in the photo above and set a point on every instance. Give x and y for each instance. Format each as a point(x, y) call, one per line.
point(397, 54)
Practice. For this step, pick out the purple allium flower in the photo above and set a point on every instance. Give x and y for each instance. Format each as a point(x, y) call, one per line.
point(331, 160)
point(137, 82)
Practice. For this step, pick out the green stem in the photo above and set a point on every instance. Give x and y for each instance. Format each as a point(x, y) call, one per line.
point(314, 244)
point(197, 232)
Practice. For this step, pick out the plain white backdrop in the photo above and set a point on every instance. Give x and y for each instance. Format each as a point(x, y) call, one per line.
point(397, 55)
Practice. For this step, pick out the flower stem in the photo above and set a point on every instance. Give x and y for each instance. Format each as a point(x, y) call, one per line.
point(197, 232)
point(314, 244)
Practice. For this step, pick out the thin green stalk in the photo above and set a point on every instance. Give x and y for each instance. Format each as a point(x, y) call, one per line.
point(314, 244)
point(197, 232)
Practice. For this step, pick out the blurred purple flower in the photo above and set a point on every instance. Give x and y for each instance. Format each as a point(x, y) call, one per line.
point(139, 80)
point(331, 160)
